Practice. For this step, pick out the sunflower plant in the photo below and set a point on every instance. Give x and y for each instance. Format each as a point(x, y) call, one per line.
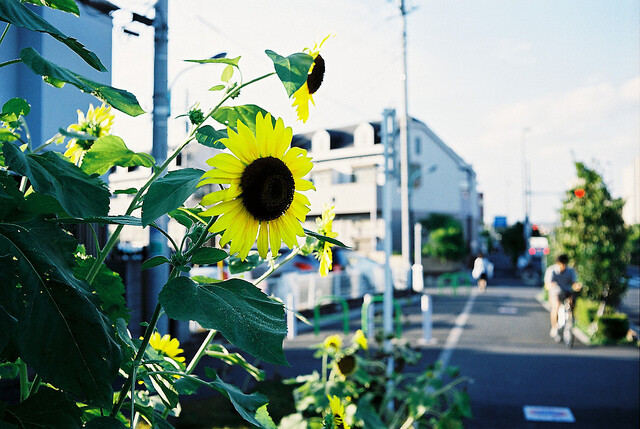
point(64, 338)
point(352, 389)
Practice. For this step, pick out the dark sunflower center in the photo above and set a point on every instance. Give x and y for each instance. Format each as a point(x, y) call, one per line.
point(267, 188)
point(314, 80)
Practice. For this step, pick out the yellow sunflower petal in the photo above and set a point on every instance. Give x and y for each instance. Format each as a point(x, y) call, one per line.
point(250, 146)
point(263, 240)
point(263, 126)
point(280, 141)
point(293, 153)
point(288, 236)
point(214, 197)
point(222, 207)
point(274, 237)
point(237, 146)
point(304, 185)
point(217, 173)
point(299, 167)
point(251, 230)
point(227, 162)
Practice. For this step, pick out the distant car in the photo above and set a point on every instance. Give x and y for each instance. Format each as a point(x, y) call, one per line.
point(299, 264)
point(364, 274)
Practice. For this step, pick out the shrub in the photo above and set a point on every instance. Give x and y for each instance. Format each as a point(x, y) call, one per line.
point(513, 241)
point(613, 326)
point(585, 312)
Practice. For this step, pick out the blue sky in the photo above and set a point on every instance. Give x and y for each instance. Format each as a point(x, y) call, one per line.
point(480, 72)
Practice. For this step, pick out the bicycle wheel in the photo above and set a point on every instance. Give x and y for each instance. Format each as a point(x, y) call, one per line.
point(567, 331)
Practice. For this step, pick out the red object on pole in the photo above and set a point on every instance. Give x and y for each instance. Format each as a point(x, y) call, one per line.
point(579, 192)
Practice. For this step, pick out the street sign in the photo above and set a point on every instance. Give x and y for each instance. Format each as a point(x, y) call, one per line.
point(548, 414)
point(500, 222)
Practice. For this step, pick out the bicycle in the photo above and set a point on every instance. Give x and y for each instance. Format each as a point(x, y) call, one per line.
point(565, 320)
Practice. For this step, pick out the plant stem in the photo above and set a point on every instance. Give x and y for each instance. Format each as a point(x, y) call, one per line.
point(4, 33)
point(24, 379)
point(8, 63)
point(35, 385)
point(136, 361)
point(201, 351)
point(272, 269)
point(324, 367)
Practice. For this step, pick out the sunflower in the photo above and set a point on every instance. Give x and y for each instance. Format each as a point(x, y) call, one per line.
point(325, 226)
point(96, 123)
point(337, 411)
point(264, 175)
point(167, 346)
point(304, 95)
point(333, 342)
point(360, 339)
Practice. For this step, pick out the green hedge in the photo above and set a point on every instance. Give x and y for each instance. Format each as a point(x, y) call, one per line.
point(613, 326)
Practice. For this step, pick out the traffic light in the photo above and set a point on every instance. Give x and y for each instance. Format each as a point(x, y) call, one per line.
point(579, 192)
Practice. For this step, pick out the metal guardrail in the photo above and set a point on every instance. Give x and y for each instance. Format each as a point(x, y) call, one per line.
point(328, 299)
point(454, 280)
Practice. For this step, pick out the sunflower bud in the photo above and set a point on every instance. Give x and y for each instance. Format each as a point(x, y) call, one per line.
point(196, 117)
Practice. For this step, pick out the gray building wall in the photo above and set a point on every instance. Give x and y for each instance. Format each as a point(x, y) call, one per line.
point(52, 108)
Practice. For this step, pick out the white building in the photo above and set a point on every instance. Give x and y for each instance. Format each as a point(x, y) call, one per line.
point(348, 173)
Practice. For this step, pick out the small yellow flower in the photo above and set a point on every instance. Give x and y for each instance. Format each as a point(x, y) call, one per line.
point(360, 340)
point(325, 226)
point(304, 95)
point(167, 346)
point(333, 342)
point(337, 410)
point(97, 123)
point(265, 178)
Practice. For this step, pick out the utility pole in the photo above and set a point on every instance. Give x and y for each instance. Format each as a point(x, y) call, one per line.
point(388, 138)
point(404, 155)
point(525, 185)
point(159, 276)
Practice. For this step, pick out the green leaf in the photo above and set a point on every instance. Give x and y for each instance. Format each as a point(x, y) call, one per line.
point(8, 136)
point(13, 109)
point(325, 238)
point(105, 423)
point(246, 405)
point(60, 333)
point(292, 70)
point(118, 98)
point(217, 88)
point(208, 255)
point(48, 408)
point(103, 220)
point(109, 151)
point(263, 417)
point(208, 136)
point(368, 414)
point(237, 265)
point(169, 192)
point(107, 285)
point(154, 262)
point(128, 191)
point(227, 73)
point(9, 370)
point(17, 14)
point(63, 5)
point(230, 61)
point(239, 310)
point(230, 115)
point(51, 174)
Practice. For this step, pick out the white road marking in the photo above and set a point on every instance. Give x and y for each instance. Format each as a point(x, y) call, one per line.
point(456, 332)
point(548, 414)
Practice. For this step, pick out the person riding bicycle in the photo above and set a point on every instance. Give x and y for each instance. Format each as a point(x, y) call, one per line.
point(560, 282)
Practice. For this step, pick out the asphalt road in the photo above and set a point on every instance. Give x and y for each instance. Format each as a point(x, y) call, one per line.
point(502, 342)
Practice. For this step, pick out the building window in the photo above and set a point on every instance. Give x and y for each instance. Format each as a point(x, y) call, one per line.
point(418, 143)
